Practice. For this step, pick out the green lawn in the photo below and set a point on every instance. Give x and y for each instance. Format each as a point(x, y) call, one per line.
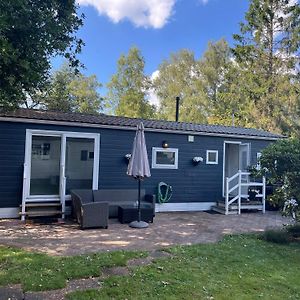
point(38, 272)
point(238, 267)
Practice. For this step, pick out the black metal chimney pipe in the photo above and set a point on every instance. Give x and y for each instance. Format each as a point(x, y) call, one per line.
point(177, 108)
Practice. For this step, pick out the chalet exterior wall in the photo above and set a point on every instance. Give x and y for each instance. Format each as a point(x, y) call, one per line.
point(200, 183)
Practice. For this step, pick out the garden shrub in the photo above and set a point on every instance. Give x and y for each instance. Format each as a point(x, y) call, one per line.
point(280, 163)
point(294, 230)
point(278, 236)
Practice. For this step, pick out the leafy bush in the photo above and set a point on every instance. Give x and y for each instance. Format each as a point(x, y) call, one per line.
point(294, 230)
point(280, 162)
point(278, 236)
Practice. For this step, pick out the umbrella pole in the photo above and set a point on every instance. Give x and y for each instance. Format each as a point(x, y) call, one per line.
point(139, 223)
point(139, 202)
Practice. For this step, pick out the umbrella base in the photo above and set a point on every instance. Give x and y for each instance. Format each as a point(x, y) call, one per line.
point(137, 224)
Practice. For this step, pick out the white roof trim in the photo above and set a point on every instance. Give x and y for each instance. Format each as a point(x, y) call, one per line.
point(91, 125)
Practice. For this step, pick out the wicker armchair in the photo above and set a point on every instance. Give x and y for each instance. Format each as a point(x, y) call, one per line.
point(89, 214)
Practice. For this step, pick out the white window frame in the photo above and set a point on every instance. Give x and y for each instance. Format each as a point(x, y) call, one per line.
point(258, 156)
point(212, 162)
point(164, 166)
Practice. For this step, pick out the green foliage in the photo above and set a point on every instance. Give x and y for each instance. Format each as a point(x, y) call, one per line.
point(32, 31)
point(294, 230)
point(281, 162)
point(128, 88)
point(238, 267)
point(266, 53)
point(69, 91)
point(200, 84)
point(279, 236)
point(38, 272)
point(178, 76)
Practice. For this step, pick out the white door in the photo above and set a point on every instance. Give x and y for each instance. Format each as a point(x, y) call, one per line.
point(244, 157)
point(244, 162)
point(236, 157)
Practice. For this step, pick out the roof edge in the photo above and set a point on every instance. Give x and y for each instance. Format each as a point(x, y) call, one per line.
point(92, 125)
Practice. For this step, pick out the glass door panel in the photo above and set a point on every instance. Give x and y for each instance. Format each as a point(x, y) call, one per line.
point(79, 163)
point(244, 157)
point(45, 165)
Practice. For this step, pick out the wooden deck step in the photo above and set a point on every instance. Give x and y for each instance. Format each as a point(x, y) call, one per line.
point(43, 204)
point(41, 213)
point(244, 204)
point(221, 210)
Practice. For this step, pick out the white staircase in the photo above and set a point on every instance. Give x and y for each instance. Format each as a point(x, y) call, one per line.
point(41, 209)
point(237, 197)
point(39, 206)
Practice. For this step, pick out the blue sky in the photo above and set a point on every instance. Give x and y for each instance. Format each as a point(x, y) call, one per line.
point(156, 27)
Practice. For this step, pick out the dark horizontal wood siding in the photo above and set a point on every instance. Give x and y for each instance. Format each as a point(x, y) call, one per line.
point(201, 183)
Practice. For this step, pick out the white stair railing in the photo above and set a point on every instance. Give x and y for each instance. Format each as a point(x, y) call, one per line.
point(238, 189)
point(24, 192)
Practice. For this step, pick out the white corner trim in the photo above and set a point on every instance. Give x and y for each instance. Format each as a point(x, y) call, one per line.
point(9, 212)
point(191, 206)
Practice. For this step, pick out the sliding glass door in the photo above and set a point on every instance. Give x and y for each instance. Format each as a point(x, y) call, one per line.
point(45, 165)
point(79, 163)
point(57, 162)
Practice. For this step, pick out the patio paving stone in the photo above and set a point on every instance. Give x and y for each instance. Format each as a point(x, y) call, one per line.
point(11, 292)
point(168, 229)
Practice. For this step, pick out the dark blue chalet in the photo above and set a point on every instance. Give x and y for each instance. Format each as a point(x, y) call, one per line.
point(43, 155)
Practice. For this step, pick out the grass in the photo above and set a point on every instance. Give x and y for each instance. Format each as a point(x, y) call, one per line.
point(239, 267)
point(38, 272)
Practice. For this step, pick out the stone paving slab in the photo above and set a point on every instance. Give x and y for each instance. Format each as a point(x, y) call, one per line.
point(14, 292)
point(11, 292)
point(168, 229)
point(72, 286)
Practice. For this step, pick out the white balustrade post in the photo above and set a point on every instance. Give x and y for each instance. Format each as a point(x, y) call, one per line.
point(264, 195)
point(239, 191)
point(226, 196)
point(24, 193)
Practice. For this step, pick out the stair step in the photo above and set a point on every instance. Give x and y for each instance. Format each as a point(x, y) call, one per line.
point(222, 210)
point(41, 213)
point(42, 204)
point(244, 203)
point(231, 206)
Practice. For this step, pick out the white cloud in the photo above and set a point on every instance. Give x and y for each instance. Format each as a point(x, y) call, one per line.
point(152, 97)
point(142, 13)
point(204, 2)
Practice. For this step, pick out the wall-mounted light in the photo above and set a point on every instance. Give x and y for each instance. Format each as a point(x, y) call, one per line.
point(197, 159)
point(165, 144)
point(128, 156)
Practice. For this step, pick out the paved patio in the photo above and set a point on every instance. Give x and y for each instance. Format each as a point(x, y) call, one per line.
point(168, 229)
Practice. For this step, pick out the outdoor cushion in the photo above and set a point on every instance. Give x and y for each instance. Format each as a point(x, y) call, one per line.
point(85, 195)
point(117, 195)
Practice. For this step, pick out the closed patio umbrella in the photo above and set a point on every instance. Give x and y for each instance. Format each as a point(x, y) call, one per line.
point(138, 168)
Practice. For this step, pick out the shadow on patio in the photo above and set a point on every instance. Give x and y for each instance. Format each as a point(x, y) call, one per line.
point(168, 229)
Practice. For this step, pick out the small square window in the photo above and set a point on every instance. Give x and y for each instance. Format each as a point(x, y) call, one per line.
point(258, 155)
point(212, 157)
point(164, 158)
